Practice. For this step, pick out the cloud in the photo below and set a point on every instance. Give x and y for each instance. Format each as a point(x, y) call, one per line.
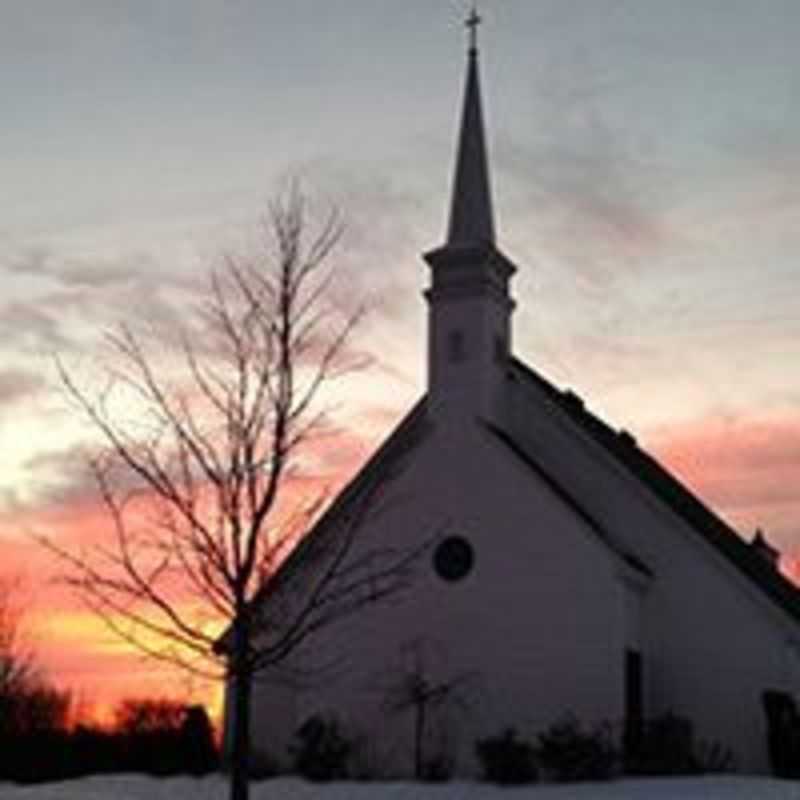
point(63, 296)
point(65, 493)
point(746, 468)
point(32, 327)
point(34, 260)
point(69, 512)
point(86, 265)
point(18, 384)
point(583, 186)
point(61, 479)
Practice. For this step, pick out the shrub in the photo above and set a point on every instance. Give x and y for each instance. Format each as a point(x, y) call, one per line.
point(33, 732)
point(263, 765)
point(665, 747)
point(438, 768)
point(713, 757)
point(93, 750)
point(668, 747)
point(154, 736)
point(164, 737)
point(199, 750)
point(320, 751)
point(506, 759)
point(569, 753)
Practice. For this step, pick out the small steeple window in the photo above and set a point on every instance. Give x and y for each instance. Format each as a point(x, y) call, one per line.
point(500, 349)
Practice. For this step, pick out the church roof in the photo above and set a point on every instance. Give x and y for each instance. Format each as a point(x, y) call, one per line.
point(669, 490)
point(409, 432)
point(570, 499)
point(416, 426)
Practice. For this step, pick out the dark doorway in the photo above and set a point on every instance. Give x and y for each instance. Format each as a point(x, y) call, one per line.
point(634, 704)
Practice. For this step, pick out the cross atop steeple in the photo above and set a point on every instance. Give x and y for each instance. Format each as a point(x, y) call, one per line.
point(472, 23)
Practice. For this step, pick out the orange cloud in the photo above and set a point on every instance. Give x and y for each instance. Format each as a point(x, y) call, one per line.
point(746, 469)
point(75, 648)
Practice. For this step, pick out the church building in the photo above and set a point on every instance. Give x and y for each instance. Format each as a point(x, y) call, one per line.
point(568, 572)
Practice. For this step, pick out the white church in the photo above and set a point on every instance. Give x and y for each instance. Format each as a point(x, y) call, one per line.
point(569, 571)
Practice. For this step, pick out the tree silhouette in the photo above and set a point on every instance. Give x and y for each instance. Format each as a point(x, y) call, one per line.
point(165, 736)
point(196, 481)
point(33, 712)
point(420, 687)
point(18, 670)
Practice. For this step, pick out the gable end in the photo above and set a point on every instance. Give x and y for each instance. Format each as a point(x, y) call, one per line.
point(569, 499)
point(658, 481)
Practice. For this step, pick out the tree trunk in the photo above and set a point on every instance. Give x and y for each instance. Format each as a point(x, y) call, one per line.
point(240, 739)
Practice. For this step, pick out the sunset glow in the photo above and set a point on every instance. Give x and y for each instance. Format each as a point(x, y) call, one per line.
point(645, 178)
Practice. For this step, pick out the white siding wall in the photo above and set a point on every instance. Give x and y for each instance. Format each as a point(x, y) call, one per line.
point(712, 641)
point(539, 623)
point(543, 620)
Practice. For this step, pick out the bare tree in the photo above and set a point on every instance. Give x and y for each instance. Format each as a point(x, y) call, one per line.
point(17, 668)
point(197, 481)
point(29, 704)
point(418, 688)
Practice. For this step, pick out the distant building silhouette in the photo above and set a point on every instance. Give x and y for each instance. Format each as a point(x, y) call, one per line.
point(572, 572)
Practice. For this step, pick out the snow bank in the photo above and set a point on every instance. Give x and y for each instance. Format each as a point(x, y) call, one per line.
point(137, 787)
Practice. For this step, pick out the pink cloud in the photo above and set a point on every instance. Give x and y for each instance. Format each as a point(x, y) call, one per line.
point(746, 469)
point(75, 649)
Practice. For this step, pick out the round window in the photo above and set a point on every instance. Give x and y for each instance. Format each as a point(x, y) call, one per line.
point(453, 558)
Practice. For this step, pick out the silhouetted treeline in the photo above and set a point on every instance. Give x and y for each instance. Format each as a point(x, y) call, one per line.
point(164, 737)
point(158, 737)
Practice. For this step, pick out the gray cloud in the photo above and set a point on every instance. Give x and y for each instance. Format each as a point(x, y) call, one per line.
point(71, 299)
point(33, 261)
point(32, 327)
point(583, 192)
point(60, 476)
point(63, 267)
point(18, 384)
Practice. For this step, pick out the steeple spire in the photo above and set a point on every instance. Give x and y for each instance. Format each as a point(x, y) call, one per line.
point(469, 300)
point(471, 215)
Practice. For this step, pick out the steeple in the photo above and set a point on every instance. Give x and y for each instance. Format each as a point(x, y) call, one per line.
point(469, 304)
point(471, 215)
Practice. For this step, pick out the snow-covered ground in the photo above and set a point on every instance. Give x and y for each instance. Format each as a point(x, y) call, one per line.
point(136, 787)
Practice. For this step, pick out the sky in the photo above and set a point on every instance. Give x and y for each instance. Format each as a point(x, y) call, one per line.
point(644, 158)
